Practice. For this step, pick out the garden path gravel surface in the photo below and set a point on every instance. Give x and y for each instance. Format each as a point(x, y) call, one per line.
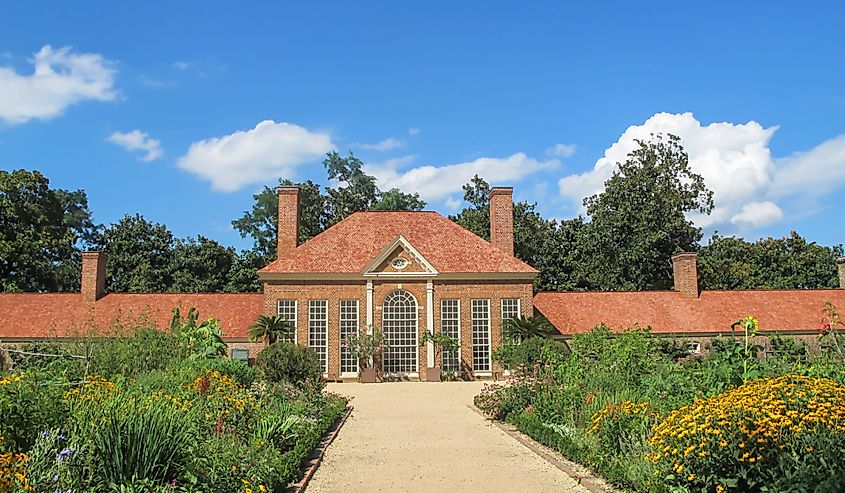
point(421, 437)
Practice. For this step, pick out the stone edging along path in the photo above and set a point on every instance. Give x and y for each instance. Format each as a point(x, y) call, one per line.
point(572, 469)
point(312, 462)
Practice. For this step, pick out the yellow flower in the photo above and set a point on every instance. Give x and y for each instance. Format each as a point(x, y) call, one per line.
point(691, 477)
point(720, 489)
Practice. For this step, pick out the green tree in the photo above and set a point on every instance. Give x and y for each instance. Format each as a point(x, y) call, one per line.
point(243, 276)
point(791, 262)
point(140, 256)
point(357, 191)
point(41, 232)
point(397, 200)
point(261, 221)
point(639, 221)
point(271, 328)
point(201, 265)
point(560, 257)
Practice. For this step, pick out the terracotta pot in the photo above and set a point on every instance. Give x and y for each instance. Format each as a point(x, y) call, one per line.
point(368, 375)
point(433, 374)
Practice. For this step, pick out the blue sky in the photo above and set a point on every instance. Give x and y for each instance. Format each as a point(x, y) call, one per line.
point(157, 108)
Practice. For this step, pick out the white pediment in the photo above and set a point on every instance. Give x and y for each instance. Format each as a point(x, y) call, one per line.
point(399, 259)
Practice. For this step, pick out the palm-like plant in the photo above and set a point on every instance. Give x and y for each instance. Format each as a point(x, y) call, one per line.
point(270, 328)
point(521, 328)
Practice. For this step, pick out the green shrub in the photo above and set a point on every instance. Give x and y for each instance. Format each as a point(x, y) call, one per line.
point(239, 371)
point(530, 353)
point(290, 363)
point(145, 350)
point(29, 404)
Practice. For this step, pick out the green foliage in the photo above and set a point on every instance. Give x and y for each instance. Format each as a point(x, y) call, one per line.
point(140, 256)
point(29, 403)
point(200, 265)
point(290, 363)
point(441, 343)
point(531, 355)
point(198, 425)
point(365, 347)
point(136, 437)
point(791, 262)
point(397, 200)
point(198, 341)
point(600, 405)
point(41, 230)
point(271, 328)
point(639, 221)
point(522, 328)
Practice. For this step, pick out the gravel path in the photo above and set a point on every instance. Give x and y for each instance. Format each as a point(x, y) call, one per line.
point(422, 437)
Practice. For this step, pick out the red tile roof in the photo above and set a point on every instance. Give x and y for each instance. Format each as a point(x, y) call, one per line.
point(33, 315)
point(348, 246)
point(671, 312)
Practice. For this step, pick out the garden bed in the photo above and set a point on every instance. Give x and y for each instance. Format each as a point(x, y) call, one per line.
point(157, 417)
point(645, 417)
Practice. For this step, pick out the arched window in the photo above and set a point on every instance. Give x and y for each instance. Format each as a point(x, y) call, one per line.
point(399, 325)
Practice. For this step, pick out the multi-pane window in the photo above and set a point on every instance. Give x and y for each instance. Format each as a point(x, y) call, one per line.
point(287, 309)
point(399, 325)
point(481, 335)
point(450, 324)
point(318, 325)
point(348, 327)
point(510, 309)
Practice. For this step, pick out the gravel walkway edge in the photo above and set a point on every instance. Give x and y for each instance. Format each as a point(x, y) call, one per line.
point(313, 461)
point(572, 469)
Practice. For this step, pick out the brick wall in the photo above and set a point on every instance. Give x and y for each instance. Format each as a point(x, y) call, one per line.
point(334, 292)
point(501, 218)
point(685, 273)
point(93, 276)
point(288, 224)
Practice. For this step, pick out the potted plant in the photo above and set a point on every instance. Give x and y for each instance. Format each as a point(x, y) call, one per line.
point(366, 348)
point(440, 342)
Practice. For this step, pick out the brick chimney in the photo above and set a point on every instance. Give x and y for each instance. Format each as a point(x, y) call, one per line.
point(685, 270)
point(501, 218)
point(288, 229)
point(93, 276)
point(840, 266)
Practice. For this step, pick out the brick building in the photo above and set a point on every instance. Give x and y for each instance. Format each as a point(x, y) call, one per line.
point(406, 273)
point(403, 273)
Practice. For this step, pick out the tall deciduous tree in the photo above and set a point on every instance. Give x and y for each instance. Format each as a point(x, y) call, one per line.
point(772, 263)
point(41, 233)
point(639, 221)
point(200, 265)
point(140, 255)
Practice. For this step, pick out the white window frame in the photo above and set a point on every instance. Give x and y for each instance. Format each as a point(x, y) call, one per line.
point(295, 314)
point(489, 370)
point(503, 318)
point(458, 355)
point(416, 322)
point(341, 349)
point(324, 360)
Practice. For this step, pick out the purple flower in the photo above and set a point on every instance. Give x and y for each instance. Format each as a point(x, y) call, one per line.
point(45, 434)
point(65, 454)
point(55, 478)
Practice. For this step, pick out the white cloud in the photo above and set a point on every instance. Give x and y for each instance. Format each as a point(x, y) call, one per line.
point(137, 140)
point(414, 131)
point(387, 144)
point(452, 203)
point(268, 151)
point(178, 65)
point(758, 214)
point(561, 150)
point(438, 182)
point(734, 160)
point(61, 78)
point(811, 174)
